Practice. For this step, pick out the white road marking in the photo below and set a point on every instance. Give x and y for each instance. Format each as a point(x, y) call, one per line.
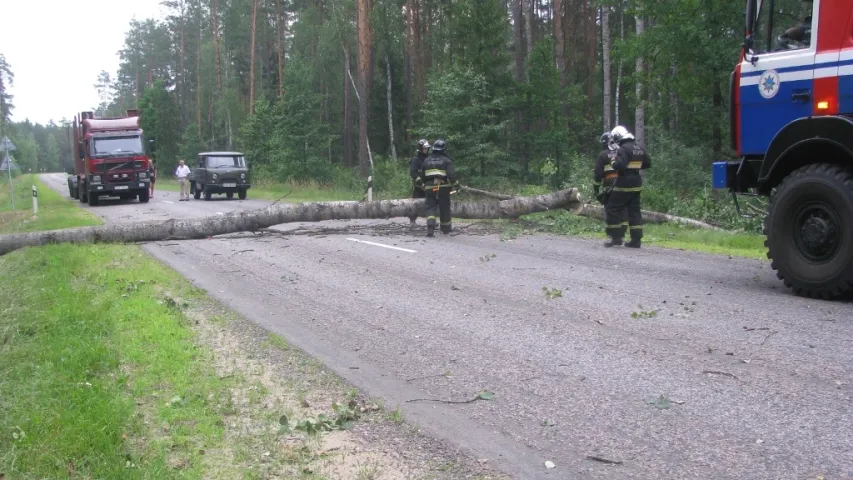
point(167, 201)
point(382, 245)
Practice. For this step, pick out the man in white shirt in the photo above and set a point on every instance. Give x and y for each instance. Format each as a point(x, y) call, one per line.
point(182, 172)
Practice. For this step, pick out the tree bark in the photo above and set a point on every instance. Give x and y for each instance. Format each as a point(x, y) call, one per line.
point(640, 108)
point(530, 34)
point(254, 34)
point(619, 70)
point(365, 50)
point(254, 220)
point(390, 101)
point(605, 64)
point(214, 14)
point(279, 26)
point(347, 138)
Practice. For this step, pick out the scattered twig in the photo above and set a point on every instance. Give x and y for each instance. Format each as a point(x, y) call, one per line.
point(717, 372)
point(604, 460)
point(283, 197)
point(242, 251)
point(768, 337)
point(445, 374)
point(749, 329)
point(167, 244)
point(480, 396)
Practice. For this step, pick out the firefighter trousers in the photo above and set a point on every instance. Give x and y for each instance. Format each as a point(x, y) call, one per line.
point(438, 204)
point(621, 212)
point(417, 192)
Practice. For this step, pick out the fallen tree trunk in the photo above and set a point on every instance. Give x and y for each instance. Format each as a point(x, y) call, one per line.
point(254, 220)
point(597, 211)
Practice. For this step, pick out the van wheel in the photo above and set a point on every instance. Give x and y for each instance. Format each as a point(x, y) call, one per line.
point(241, 194)
point(196, 191)
point(207, 194)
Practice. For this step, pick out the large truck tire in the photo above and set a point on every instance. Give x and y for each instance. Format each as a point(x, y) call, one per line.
point(809, 231)
point(144, 196)
point(241, 193)
point(93, 199)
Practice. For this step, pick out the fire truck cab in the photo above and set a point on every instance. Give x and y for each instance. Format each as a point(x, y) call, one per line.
point(791, 120)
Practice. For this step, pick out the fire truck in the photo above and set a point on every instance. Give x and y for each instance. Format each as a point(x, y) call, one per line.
point(109, 158)
point(791, 120)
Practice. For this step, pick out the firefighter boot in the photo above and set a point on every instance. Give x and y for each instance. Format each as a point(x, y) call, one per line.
point(634, 243)
point(612, 242)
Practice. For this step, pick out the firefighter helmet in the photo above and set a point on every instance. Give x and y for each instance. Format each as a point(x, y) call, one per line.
point(439, 145)
point(422, 143)
point(605, 139)
point(620, 134)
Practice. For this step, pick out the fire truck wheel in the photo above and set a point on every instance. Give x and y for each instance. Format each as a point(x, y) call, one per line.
point(144, 196)
point(92, 200)
point(809, 231)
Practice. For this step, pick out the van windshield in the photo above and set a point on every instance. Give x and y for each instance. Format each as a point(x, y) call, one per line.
point(225, 161)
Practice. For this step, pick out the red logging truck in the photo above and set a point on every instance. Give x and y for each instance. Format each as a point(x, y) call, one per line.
point(109, 158)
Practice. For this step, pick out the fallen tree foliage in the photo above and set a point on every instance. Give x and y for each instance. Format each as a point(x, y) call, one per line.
point(597, 211)
point(276, 214)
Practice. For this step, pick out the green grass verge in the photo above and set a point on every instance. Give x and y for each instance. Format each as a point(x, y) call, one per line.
point(100, 376)
point(666, 235)
point(292, 192)
point(55, 211)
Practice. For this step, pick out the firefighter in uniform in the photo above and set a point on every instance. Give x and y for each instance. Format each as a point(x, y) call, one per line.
point(604, 175)
point(416, 171)
point(439, 178)
point(623, 206)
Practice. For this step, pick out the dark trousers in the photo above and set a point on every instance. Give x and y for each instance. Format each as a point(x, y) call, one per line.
point(416, 193)
point(438, 203)
point(621, 212)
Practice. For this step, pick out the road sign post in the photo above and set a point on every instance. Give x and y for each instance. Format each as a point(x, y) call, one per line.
point(35, 200)
point(7, 146)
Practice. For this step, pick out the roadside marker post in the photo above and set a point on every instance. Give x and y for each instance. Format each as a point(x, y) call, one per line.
point(35, 200)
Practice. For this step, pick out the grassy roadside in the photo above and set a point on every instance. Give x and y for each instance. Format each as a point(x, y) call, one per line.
point(55, 211)
point(114, 366)
point(738, 244)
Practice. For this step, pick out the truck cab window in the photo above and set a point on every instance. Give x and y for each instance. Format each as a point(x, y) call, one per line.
point(783, 25)
point(115, 145)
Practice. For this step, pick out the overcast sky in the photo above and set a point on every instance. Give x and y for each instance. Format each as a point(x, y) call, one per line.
point(56, 49)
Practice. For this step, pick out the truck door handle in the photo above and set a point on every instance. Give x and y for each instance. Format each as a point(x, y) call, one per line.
point(801, 96)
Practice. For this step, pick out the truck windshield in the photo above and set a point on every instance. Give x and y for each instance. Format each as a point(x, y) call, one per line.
point(224, 162)
point(117, 145)
point(783, 25)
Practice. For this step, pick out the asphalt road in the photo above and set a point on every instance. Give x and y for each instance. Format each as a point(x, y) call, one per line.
point(758, 381)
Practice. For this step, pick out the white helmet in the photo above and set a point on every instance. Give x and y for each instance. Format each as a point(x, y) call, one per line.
point(620, 134)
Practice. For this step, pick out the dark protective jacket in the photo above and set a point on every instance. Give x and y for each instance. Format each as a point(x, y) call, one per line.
point(630, 159)
point(440, 166)
point(416, 166)
point(604, 172)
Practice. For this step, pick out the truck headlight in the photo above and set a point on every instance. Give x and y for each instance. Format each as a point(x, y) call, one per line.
point(242, 176)
point(96, 179)
point(214, 177)
point(143, 175)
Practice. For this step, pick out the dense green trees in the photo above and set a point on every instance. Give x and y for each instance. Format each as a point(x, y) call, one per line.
point(315, 89)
